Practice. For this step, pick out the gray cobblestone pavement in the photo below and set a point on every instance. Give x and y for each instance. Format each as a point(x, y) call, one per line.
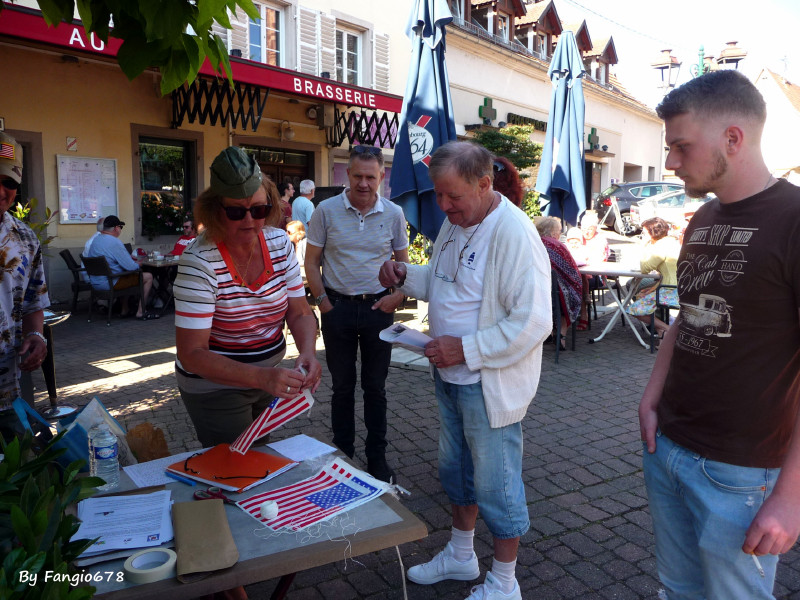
point(590, 535)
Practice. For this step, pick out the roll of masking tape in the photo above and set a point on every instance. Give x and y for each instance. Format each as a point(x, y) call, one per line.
point(149, 565)
point(269, 510)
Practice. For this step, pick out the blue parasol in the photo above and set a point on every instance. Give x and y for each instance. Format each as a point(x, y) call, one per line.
point(561, 171)
point(427, 118)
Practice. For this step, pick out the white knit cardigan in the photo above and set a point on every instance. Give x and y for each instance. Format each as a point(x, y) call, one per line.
point(515, 315)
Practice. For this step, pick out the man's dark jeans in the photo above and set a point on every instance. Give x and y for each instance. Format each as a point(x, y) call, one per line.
point(351, 325)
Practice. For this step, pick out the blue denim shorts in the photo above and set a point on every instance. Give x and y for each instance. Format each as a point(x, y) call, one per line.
point(701, 510)
point(478, 464)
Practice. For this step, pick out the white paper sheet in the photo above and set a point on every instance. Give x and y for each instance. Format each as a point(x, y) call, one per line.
point(152, 472)
point(301, 447)
point(135, 521)
point(405, 336)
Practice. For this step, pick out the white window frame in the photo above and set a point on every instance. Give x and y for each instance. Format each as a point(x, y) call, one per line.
point(262, 28)
point(503, 26)
point(346, 32)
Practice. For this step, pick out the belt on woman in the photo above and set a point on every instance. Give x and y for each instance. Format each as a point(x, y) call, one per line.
point(357, 297)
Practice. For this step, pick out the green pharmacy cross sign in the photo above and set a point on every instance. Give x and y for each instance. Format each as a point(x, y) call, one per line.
point(487, 112)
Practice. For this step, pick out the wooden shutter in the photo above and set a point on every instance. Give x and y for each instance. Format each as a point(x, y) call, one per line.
point(307, 40)
point(380, 61)
point(327, 45)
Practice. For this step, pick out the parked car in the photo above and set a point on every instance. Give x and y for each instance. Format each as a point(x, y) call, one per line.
point(626, 194)
point(673, 207)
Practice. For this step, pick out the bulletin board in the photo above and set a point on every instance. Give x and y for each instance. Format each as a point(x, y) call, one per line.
point(87, 188)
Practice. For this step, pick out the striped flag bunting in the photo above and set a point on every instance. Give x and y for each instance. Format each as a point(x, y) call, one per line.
point(337, 488)
point(280, 411)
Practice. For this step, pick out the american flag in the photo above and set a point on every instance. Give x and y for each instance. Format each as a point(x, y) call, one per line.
point(334, 489)
point(7, 150)
point(280, 411)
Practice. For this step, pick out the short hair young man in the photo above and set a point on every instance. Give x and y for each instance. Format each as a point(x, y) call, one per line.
point(719, 416)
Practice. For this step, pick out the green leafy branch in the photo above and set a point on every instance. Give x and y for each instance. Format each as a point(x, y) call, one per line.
point(36, 531)
point(25, 212)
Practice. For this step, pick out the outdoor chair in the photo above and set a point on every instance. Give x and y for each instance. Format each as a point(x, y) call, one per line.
point(662, 308)
point(78, 283)
point(555, 295)
point(98, 267)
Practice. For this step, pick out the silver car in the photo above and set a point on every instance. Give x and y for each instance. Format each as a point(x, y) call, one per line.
point(674, 207)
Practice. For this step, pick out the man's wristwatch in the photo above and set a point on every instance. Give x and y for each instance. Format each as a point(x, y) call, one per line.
point(319, 299)
point(37, 334)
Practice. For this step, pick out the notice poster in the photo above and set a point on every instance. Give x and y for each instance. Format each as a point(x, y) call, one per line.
point(87, 188)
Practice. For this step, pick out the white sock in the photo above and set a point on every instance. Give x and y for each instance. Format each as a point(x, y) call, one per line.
point(504, 574)
point(462, 544)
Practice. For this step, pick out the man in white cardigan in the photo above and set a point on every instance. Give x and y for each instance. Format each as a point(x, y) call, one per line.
point(488, 288)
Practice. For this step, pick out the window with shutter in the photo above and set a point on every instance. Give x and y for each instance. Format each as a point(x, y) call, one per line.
point(327, 45)
point(380, 60)
point(265, 36)
point(348, 57)
point(307, 40)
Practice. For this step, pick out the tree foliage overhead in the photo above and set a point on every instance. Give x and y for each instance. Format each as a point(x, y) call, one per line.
point(173, 36)
point(513, 142)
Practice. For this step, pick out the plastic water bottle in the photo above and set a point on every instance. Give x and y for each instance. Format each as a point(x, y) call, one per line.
point(103, 456)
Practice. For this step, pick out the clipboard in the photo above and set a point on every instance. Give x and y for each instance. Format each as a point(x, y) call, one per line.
point(222, 467)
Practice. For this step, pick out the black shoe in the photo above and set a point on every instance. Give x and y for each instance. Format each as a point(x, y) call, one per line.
point(379, 469)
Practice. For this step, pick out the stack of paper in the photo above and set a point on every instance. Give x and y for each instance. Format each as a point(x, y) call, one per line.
point(125, 522)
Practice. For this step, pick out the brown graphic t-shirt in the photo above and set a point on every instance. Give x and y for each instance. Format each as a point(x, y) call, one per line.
point(733, 386)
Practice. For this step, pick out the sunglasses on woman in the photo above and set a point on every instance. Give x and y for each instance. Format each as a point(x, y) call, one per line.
point(237, 213)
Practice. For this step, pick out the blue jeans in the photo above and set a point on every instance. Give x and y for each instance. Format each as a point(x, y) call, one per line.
point(351, 325)
point(478, 464)
point(701, 510)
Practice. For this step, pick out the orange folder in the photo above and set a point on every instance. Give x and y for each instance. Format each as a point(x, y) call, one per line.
point(229, 470)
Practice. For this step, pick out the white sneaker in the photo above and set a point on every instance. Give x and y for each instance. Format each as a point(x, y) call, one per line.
point(444, 566)
point(490, 590)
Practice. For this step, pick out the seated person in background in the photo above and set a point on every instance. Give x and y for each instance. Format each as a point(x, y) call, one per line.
point(596, 251)
point(189, 233)
point(507, 181)
point(574, 242)
point(595, 242)
point(107, 244)
point(660, 253)
point(570, 284)
point(297, 233)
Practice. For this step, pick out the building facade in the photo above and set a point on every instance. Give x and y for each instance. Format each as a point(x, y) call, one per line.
point(311, 78)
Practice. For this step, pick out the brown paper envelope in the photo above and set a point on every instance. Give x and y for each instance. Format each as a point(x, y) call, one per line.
point(203, 539)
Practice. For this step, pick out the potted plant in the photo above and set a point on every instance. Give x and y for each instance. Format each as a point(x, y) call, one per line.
point(36, 551)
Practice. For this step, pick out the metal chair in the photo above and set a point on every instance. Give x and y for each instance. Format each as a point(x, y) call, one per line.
point(663, 309)
point(78, 284)
point(97, 266)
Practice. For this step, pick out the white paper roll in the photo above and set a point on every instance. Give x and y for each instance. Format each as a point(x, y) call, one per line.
point(149, 565)
point(269, 510)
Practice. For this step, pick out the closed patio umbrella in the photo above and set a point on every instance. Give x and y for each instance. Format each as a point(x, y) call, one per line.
point(561, 176)
point(427, 118)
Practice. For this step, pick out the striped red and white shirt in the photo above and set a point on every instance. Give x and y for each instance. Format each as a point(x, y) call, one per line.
point(245, 322)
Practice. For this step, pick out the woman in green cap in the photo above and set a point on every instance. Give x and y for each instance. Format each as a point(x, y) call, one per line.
point(238, 283)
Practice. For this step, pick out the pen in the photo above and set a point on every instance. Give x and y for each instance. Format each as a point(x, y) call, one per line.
point(758, 565)
point(185, 480)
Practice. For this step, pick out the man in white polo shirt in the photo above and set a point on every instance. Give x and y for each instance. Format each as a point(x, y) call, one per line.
point(349, 238)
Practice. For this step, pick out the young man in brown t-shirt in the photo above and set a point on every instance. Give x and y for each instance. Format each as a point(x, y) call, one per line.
point(719, 416)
